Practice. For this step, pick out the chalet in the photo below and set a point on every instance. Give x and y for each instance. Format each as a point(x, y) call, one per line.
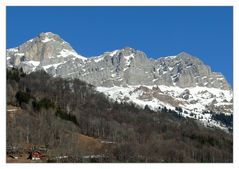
point(35, 155)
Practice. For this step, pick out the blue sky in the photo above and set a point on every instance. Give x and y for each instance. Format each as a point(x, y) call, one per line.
point(205, 32)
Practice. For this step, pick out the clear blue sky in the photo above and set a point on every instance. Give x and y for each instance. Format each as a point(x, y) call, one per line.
point(205, 32)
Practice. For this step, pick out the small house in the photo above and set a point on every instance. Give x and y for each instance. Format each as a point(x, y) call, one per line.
point(35, 155)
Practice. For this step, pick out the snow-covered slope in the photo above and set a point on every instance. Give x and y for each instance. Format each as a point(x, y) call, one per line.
point(198, 102)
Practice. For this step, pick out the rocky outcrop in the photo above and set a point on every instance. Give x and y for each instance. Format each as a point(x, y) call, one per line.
point(45, 47)
point(122, 67)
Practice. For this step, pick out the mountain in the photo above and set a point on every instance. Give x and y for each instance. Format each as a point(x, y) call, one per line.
point(129, 75)
point(44, 51)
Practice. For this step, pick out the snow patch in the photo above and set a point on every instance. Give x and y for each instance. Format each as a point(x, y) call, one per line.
point(12, 50)
point(52, 65)
point(170, 57)
point(98, 59)
point(47, 39)
point(19, 54)
point(193, 106)
point(113, 53)
point(113, 75)
point(170, 68)
point(128, 59)
point(66, 53)
point(34, 63)
point(126, 68)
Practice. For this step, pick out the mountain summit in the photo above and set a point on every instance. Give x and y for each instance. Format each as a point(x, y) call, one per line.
point(43, 50)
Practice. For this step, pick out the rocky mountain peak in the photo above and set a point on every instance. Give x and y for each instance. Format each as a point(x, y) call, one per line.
point(128, 50)
point(184, 55)
point(47, 48)
point(49, 36)
point(124, 52)
point(132, 53)
point(188, 59)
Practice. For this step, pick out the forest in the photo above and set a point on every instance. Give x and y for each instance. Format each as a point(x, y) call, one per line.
point(58, 113)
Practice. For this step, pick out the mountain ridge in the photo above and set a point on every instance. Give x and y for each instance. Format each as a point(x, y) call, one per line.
point(54, 55)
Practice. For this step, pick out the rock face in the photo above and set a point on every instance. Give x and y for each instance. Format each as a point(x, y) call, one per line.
point(40, 52)
point(188, 71)
point(117, 68)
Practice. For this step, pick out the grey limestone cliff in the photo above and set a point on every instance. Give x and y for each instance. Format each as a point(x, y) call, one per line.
point(122, 67)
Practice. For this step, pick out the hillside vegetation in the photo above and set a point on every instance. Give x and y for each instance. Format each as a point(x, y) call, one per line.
point(60, 114)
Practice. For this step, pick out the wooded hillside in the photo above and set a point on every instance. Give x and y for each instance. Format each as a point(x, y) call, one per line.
point(56, 111)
